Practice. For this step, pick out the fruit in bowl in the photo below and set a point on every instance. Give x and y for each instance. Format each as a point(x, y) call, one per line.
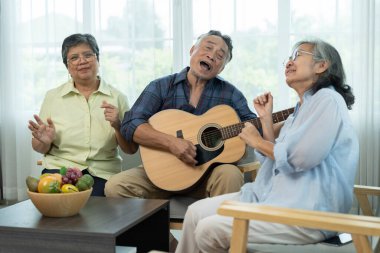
point(60, 194)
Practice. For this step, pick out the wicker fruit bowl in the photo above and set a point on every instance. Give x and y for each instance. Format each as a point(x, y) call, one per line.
point(59, 204)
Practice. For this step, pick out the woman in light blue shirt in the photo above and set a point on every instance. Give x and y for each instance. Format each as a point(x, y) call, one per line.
point(308, 162)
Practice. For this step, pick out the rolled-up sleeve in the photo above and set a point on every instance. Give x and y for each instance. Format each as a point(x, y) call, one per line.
point(148, 103)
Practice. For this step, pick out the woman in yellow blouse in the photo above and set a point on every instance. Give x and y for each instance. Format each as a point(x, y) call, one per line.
point(78, 125)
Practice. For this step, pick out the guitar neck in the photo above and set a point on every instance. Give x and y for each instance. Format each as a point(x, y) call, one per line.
point(233, 130)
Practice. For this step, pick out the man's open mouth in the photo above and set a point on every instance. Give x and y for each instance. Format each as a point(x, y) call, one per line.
point(205, 66)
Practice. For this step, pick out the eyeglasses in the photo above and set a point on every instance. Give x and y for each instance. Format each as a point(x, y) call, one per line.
point(75, 59)
point(295, 54)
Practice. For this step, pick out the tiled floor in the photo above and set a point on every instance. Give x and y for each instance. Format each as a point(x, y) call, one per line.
point(4, 203)
point(119, 249)
point(176, 233)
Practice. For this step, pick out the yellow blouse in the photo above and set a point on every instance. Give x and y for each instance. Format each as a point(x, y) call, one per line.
point(84, 139)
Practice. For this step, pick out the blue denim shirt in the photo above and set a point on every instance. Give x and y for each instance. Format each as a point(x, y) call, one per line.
point(316, 157)
point(173, 92)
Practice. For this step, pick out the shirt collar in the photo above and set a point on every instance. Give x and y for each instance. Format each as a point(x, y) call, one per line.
point(309, 93)
point(307, 96)
point(69, 87)
point(182, 76)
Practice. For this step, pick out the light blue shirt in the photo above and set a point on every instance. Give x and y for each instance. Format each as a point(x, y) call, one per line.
point(316, 156)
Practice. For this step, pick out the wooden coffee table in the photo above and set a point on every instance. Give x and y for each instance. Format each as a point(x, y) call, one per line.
point(101, 225)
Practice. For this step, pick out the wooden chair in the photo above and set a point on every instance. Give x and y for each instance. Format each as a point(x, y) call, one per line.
point(359, 226)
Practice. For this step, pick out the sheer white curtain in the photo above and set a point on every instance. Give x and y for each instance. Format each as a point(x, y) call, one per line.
point(16, 155)
point(23, 50)
point(141, 40)
point(135, 40)
point(366, 79)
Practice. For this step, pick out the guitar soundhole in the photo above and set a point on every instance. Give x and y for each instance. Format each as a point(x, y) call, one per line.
point(211, 137)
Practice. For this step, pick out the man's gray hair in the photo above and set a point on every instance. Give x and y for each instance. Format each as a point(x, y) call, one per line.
point(227, 39)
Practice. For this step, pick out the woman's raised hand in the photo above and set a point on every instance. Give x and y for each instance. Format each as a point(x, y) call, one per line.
point(111, 114)
point(45, 133)
point(264, 105)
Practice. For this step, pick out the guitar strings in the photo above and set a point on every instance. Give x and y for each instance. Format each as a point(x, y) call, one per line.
point(234, 130)
point(206, 137)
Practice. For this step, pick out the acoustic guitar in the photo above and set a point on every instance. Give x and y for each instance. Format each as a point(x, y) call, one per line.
point(215, 135)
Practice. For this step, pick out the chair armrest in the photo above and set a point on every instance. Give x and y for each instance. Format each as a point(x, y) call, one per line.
point(358, 226)
point(367, 190)
point(361, 192)
point(350, 223)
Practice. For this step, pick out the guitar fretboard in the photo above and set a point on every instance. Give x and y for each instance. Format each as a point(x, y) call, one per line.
point(234, 130)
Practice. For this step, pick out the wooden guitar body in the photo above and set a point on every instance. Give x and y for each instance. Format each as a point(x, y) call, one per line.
point(168, 172)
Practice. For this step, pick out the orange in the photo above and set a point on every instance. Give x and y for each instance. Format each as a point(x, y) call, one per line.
point(56, 175)
point(49, 184)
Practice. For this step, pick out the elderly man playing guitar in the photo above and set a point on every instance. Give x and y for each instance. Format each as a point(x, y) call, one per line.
point(177, 120)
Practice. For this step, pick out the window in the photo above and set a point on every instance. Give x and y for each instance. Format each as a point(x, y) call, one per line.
point(264, 31)
point(134, 37)
point(141, 40)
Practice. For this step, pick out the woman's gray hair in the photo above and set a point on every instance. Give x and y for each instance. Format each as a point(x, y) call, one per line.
point(334, 75)
point(76, 39)
point(227, 39)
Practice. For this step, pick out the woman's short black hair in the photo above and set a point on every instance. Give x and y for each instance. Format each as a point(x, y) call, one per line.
point(76, 39)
